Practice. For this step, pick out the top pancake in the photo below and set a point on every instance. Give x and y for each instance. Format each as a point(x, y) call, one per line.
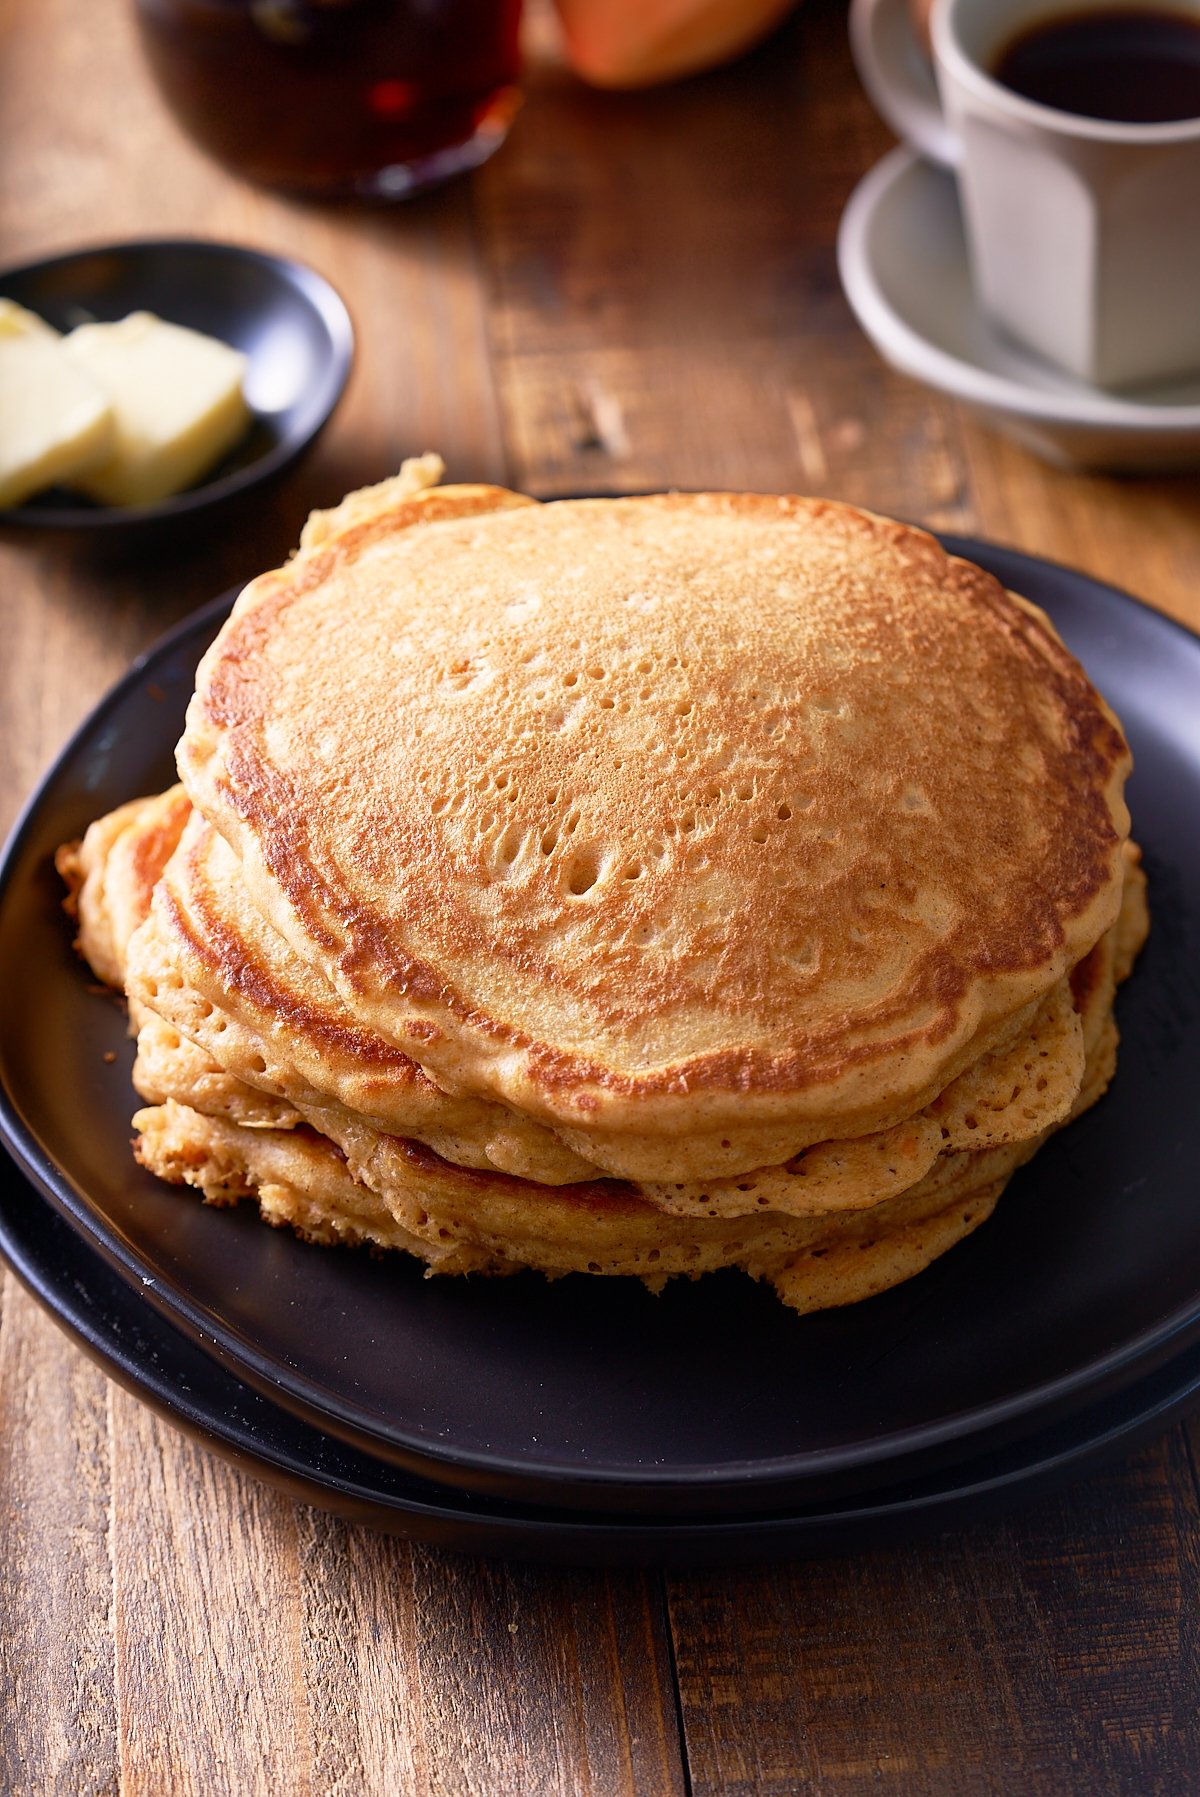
point(660, 814)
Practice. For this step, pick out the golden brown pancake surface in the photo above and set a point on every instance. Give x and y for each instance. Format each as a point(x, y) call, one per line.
point(209, 966)
point(671, 816)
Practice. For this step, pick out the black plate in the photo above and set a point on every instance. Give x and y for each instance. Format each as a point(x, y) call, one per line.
point(285, 318)
point(141, 1350)
point(712, 1397)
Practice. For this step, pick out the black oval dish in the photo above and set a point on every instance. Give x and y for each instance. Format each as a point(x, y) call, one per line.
point(590, 1393)
point(142, 1352)
point(285, 318)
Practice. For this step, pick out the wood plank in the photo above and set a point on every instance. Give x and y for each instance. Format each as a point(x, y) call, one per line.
point(577, 1699)
point(1054, 1652)
point(434, 1672)
point(207, 1620)
point(352, 1661)
point(1138, 532)
point(57, 1707)
point(646, 217)
point(366, 1697)
point(638, 348)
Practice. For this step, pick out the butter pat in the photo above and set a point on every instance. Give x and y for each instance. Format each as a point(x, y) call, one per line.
point(15, 321)
point(176, 398)
point(55, 422)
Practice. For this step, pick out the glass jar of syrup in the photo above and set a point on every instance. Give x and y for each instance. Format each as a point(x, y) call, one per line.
point(378, 98)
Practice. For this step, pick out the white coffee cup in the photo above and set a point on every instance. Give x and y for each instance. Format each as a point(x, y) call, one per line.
point(1083, 233)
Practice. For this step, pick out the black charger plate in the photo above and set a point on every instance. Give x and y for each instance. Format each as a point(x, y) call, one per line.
point(590, 1393)
point(144, 1353)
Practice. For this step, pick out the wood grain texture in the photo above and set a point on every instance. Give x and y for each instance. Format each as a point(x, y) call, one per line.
point(638, 292)
point(210, 1694)
point(666, 308)
point(57, 1705)
point(1140, 534)
point(1052, 1652)
point(466, 1676)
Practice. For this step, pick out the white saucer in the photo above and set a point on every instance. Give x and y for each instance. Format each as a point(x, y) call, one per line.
point(903, 262)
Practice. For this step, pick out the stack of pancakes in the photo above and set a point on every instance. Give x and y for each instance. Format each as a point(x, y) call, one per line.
point(637, 886)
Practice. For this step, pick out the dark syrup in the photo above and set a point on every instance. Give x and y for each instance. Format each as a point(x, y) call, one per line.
point(318, 95)
point(1133, 66)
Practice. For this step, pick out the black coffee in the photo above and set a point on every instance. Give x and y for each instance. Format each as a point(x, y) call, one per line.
point(1136, 67)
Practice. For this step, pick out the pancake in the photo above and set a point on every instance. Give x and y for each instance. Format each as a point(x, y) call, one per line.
point(640, 888)
point(202, 945)
point(1133, 921)
point(718, 821)
point(396, 1193)
point(296, 1178)
point(389, 1192)
point(169, 1066)
point(111, 874)
point(832, 1183)
point(365, 503)
point(833, 1176)
point(460, 1221)
point(207, 963)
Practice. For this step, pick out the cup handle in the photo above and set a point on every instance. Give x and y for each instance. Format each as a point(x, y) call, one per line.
point(899, 79)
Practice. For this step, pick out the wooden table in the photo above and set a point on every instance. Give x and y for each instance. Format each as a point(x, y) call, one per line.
point(638, 292)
